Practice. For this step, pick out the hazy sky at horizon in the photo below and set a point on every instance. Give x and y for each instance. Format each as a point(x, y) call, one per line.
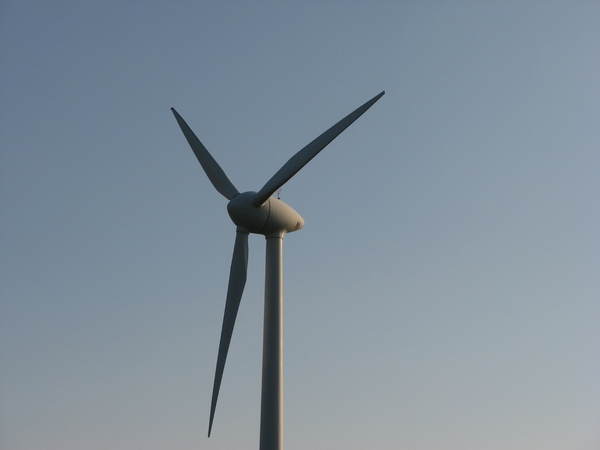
point(444, 293)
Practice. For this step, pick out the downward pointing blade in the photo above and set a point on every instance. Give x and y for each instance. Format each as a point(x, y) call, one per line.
point(300, 159)
point(215, 174)
point(237, 281)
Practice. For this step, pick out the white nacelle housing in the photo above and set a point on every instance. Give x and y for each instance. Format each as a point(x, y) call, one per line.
point(272, 217)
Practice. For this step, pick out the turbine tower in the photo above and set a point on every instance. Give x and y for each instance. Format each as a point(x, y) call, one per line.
point(260, 213)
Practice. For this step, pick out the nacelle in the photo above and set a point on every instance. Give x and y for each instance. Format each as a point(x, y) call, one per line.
point(273, 217)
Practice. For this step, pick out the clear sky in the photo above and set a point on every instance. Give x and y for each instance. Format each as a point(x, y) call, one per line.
point(444, 293)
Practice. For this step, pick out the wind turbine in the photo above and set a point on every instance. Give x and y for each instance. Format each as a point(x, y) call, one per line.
point(260, 213)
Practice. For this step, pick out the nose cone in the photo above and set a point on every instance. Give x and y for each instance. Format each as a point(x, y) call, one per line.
point(244, 214)
point(273, 217)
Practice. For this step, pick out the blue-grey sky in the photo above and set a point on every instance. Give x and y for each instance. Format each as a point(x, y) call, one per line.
point(444, 293)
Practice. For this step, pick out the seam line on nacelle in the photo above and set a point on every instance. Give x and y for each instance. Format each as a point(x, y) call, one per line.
point(268, 215)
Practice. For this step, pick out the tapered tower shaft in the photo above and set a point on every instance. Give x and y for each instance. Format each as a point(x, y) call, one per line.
point(271, 414)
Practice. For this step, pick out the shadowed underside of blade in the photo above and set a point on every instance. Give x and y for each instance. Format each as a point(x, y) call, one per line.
point(215, 174)
point(237, 281)
point(300, 159)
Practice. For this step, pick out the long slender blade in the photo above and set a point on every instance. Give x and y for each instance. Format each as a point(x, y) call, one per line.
point(237, 281)
point(300, 159)
point(216, 175)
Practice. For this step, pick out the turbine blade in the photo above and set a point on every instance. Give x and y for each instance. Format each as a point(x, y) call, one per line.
point(237, 281)
point(215, 174)
point(300, 159)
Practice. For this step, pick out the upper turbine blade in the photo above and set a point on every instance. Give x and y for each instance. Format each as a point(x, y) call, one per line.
point(237, 281)
point(216, 175)
point(300, 159)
